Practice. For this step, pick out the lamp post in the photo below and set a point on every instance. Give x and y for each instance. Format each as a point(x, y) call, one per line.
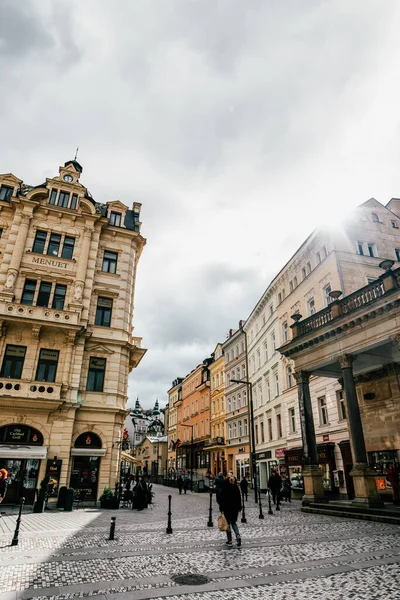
point(252, 437)
point(191, 455)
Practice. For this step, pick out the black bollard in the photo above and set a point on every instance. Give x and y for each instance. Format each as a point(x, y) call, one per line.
point(269, 504)
point(260, 516)
point(169, 528)
point(112, 528)
point(18, 523)
point(210, 521)
point(243, 519)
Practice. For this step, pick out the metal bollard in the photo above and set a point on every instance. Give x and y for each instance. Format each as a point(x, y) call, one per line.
point(112, 528)
point(243, 519)
point(169, 528)
point(260, 516)
point(18, 523)
point(210, 521)
point(269, 504)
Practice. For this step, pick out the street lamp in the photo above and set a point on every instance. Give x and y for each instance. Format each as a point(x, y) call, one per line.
point(252, 438)
point(191, 455)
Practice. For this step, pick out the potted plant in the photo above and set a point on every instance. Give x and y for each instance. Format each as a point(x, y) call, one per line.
point(42, 495)
point(109, 499)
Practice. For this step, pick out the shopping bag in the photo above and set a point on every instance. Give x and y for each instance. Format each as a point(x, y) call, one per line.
point(222, 523)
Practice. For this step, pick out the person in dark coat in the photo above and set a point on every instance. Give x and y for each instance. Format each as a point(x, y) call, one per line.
point(286, 488)
point(218, 484)
point(179, 481)
point(140, 495)
point(275, 486)
point(186, 484)
point(244, 487)
point(231, 505)
point(3, 484)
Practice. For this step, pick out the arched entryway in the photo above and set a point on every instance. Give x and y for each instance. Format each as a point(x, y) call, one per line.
point(86, 456)
point(21, 450)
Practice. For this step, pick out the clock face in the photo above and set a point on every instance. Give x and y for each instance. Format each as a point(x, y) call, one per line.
point(68, 178)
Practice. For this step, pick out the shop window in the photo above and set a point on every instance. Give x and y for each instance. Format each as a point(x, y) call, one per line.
point(39, 242)
point(68, 247)
point(323, 411)
point(54, 244)
point(13, 361)
point(97, 369)
point(28, 293)
point(103, 312)
point(59, 296)
point(341, 405)
point(5, 193)
point(115, 219)
point(110, 262)
point(47, 365)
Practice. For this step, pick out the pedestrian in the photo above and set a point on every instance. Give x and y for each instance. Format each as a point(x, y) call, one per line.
point(231, 505)
point(275, 486)
point(179, 481)
point(286, 488)
point(186, 484)
point(244, 487)
point(3, 484)
point(218, 484)
point(140, 494)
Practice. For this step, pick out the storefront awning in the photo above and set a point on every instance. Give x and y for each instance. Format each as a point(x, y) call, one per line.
point(88, 451)
point(129, 458)
point(17, 451)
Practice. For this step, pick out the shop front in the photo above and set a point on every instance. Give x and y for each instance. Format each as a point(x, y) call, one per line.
point(262, 459)
point(21, 452)
point(86, 457)
point(387, 467)
point(294, 458)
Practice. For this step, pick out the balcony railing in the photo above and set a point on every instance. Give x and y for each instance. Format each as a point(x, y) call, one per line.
point(17, 388)
point(216, 441)
point(41, 313)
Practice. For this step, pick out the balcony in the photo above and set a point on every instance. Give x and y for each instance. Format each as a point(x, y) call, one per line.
point(217, 441)
point(39, 313)
point(16, 388)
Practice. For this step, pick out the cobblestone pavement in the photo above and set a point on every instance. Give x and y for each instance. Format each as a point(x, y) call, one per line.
point(286, 556)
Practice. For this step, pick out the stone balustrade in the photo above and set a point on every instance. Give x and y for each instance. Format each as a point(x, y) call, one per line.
point(18, 388)
point(39, 313)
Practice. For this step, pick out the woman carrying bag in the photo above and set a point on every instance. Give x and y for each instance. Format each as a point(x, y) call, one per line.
point(231, 504)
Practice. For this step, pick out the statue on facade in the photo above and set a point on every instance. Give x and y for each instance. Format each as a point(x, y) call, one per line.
point(78, 291)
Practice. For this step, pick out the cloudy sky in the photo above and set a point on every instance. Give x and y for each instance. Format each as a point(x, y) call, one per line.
point(239, 125)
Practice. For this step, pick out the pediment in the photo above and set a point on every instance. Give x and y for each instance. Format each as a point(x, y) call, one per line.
point(100, 348)
point(116, 204)
point(9, 177)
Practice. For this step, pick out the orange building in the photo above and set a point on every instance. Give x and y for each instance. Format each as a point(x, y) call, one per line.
point(193, 408)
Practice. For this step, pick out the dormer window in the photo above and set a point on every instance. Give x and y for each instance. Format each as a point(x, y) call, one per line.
point(63, 199)
point(115, 219)
point(5, 193)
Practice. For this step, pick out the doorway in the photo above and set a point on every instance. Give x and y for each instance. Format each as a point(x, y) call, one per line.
point(22, 479)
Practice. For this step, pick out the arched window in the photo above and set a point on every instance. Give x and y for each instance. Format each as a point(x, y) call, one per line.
point(88, 440)
point(375, 218)
point(20, 434)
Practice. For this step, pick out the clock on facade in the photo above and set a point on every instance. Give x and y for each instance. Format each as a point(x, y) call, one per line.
point(68, 178)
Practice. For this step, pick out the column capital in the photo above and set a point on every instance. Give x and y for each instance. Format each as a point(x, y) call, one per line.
point(346, 361)
point(302, 376)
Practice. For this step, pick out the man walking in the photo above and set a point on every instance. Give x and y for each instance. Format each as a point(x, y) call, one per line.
point(244, 486)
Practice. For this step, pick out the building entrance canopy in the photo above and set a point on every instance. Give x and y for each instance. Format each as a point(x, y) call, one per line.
point(15, 451)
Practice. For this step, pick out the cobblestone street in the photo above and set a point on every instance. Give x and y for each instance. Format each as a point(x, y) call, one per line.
point(288, 555)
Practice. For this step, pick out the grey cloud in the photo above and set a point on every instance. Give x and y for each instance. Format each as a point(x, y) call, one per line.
point(21, 31)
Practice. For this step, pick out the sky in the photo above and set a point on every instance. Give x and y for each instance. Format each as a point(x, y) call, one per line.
point(239, 125)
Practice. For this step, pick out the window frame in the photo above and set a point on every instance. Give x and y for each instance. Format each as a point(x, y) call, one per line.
point(115, 219)
point(9, 191)
point(50, 376)
point(103, 311)
point(16, 361)
point(96, 377)
point(108, 261)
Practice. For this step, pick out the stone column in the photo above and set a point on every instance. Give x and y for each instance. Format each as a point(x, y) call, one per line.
point(18, 251)
point(82, 265)
point(313, 488)
point(366, 493)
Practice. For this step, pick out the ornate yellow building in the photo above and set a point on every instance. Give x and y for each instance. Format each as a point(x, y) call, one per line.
point(67, 280)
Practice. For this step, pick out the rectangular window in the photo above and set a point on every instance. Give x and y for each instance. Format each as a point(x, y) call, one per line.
point(110, 262)
point(245, 430)
point(256, 428)
point(318, 257)
point(59, 296)
point(240, 429)
point(279, 425)
point(13, 361)
point(262, 431)
point(97, 369)
point(285, 331)
point(53, 196)
point(54, 244)
point(115, 219)
point(273, 340)
point(311, 307)
point(341, 405)
point(303, 273)
point(323, 411)
point(394, 224)
point(325, 251)
point(279, 298)
point(63, 199)
point(268, 388)
point(292, 420)
point(74, 201)
point(43, 296)
point(397, 252)
point(360, 248)
point(47, 365)
point(295, 282)
point(28, 292)
point(39, 242)
point(308, 268)
point(372, 250)
point(5, 193)
point(327, 291)
point(270, 434)
point(68, 247)
point(276, 377)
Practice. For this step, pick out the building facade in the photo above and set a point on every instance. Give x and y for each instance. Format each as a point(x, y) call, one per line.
point(174, 396)
point(67, 281)
point(216, 446)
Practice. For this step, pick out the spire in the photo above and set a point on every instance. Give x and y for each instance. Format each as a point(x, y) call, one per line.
point(137, 409)
point(156, 409)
